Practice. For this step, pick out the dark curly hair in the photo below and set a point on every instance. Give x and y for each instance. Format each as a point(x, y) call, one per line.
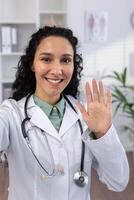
point(25, 81)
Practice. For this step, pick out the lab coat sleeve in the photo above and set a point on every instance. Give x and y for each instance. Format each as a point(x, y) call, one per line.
point(110, 160)
point(4, 128)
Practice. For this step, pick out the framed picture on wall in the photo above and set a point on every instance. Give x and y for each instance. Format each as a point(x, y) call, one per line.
point(96, 26)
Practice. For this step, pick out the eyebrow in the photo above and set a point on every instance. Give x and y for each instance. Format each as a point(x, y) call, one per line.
point(50, 54)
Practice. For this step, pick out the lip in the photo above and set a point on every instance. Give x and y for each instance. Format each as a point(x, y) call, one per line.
point(54, 81)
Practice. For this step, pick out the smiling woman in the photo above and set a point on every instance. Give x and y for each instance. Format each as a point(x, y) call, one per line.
point(53, 66)
point(51, 139)
point(58, 38)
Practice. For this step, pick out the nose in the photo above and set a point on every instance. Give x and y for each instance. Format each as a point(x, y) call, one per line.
point(56, 68)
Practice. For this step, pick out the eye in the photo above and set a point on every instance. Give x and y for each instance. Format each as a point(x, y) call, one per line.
point(46, 59)
point(66, 60)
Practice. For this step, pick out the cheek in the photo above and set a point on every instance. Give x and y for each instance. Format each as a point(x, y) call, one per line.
point(70, 72)
point(40, 70)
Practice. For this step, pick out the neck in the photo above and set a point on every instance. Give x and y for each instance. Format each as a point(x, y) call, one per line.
point(50, 100)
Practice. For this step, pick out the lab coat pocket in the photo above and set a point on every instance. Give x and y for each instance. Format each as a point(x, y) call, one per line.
point(44, 186)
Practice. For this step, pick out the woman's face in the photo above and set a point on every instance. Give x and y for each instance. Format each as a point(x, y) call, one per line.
point(53, 66)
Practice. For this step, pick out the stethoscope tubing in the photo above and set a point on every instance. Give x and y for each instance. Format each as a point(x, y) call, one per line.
point(81, 130)
point(52, 159)
point(80, 177)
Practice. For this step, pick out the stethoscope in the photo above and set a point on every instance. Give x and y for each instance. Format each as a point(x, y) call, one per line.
point(80, 177)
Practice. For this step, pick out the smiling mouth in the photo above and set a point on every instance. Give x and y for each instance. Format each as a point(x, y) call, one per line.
point(54, 80)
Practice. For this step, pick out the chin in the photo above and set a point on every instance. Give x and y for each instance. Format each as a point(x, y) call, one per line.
point(53, 94)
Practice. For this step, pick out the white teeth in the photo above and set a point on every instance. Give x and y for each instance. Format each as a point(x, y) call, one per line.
point(53, 81)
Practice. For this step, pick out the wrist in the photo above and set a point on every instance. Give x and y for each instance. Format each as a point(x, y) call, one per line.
point(100, 134)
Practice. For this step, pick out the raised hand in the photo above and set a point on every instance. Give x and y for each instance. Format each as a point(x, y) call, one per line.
point(97, 115)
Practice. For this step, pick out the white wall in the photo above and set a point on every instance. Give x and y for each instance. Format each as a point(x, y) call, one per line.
point(119, 16)
point(116, 52)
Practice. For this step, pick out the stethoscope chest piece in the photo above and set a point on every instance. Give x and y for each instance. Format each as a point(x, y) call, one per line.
point(81, 178)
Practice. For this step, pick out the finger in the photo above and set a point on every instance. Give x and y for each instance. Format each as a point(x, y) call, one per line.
point(109, 99)
point(95, 90)
point(88, 93)
point(102, 93)
point(82, 110)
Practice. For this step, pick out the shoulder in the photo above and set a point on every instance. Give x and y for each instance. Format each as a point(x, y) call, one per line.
point(10, 105)
point(71, 100)
point(7, 104)
point(6, 109)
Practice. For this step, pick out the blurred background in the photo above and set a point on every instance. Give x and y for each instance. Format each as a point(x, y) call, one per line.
point(106, 41)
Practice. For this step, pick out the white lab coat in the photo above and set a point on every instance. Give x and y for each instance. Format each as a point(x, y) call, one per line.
point(27, 179)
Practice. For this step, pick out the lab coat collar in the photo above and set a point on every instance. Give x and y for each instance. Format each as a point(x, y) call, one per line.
point(69, 119)
point(40, 119)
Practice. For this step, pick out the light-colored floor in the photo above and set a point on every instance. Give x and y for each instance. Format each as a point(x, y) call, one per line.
point(98, 190)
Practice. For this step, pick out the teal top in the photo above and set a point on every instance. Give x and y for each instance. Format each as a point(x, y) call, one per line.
point(54, 112)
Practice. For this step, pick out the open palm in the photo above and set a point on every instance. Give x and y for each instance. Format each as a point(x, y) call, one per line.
point(97, 115)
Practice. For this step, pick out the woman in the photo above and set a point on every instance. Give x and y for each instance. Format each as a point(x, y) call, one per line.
point(50, 138)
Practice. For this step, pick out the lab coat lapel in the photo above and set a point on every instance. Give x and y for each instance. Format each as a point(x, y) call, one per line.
point(69, 119)
point(40, 119)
